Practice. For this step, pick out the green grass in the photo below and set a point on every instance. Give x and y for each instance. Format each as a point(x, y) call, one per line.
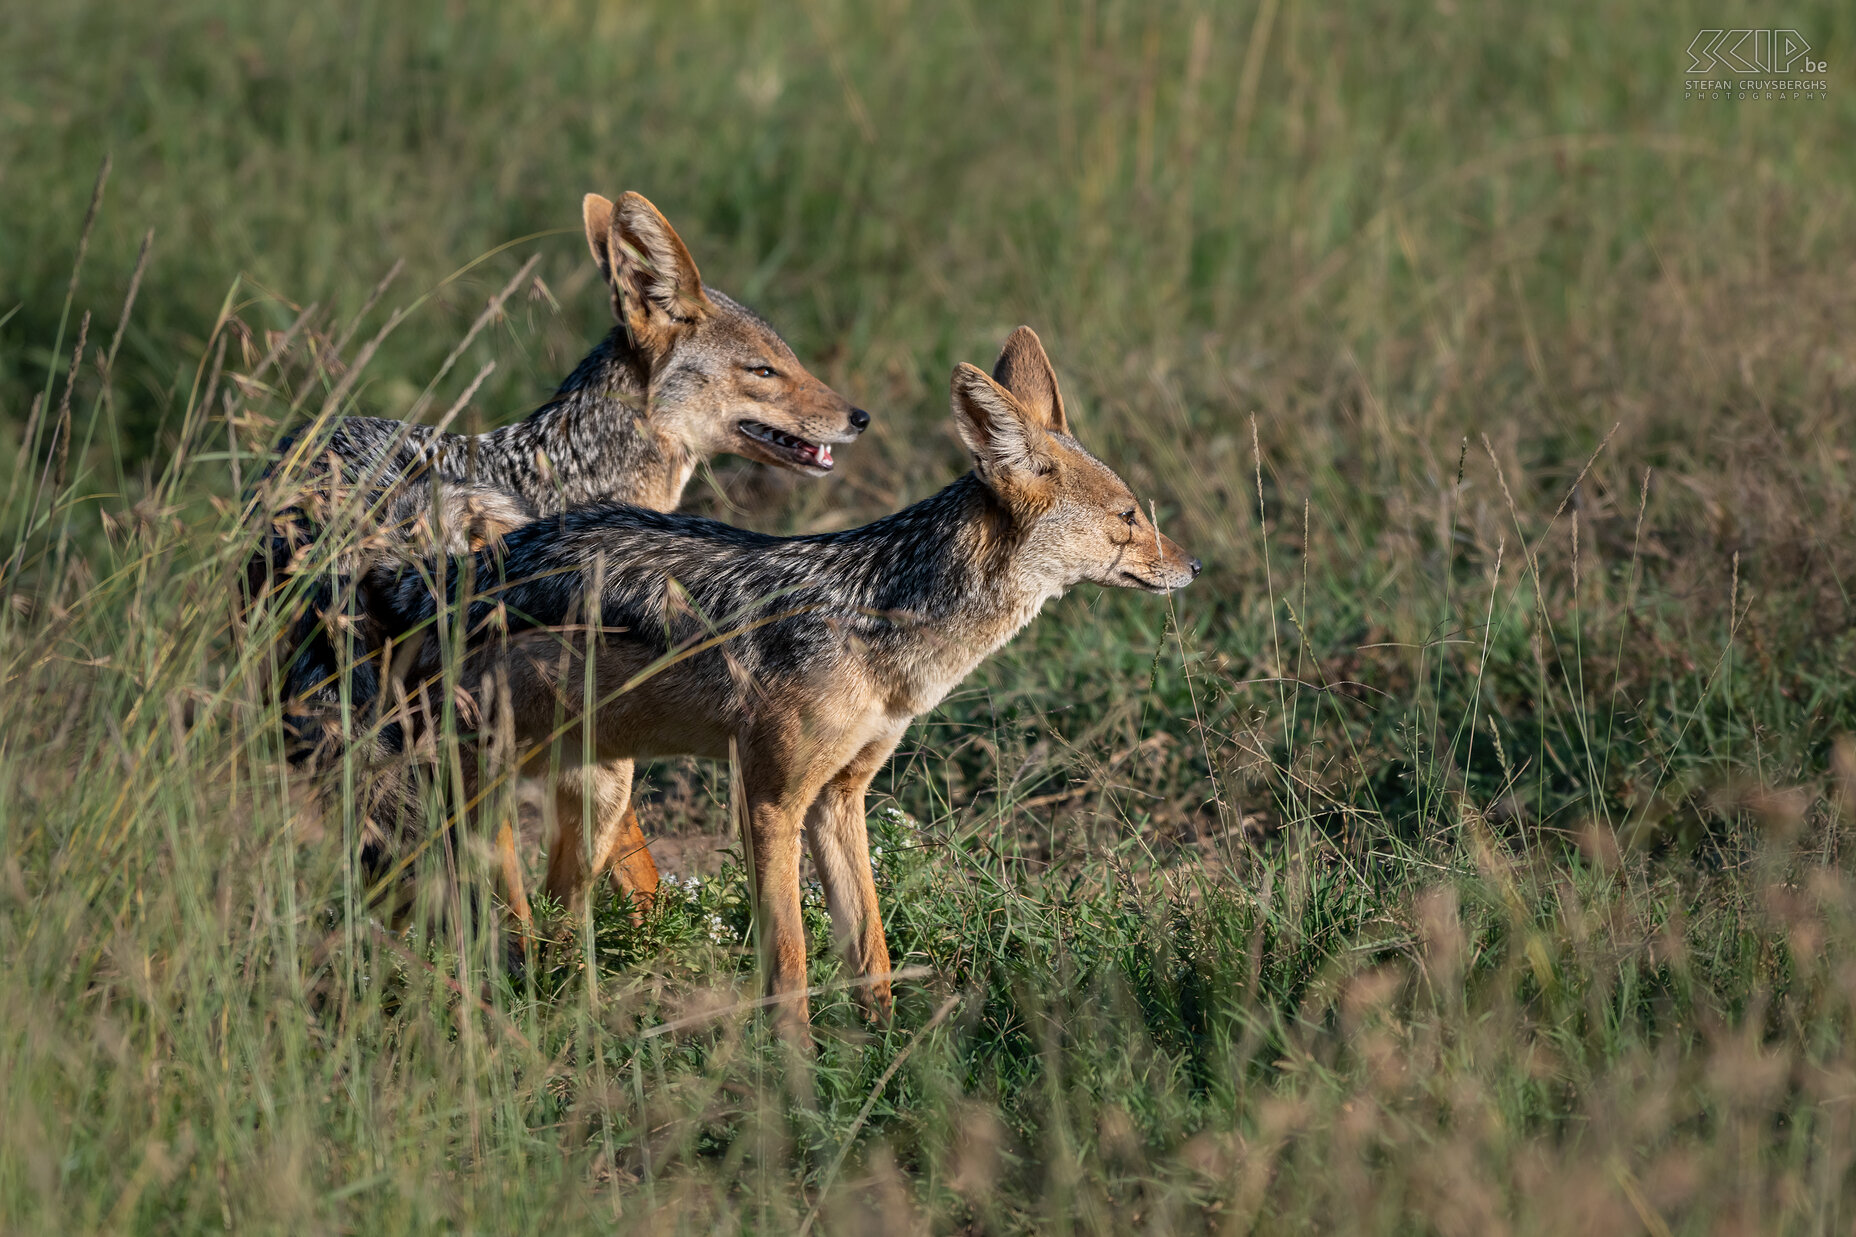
point(1460, 854)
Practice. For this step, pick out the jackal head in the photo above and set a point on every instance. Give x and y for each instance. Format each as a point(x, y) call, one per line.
point(719, 378)
point(1074, 519)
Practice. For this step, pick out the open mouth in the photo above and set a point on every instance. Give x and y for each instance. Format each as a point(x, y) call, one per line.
point(797, 450)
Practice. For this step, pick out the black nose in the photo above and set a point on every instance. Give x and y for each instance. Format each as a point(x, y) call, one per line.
point(1196, 566)
point(859, 419)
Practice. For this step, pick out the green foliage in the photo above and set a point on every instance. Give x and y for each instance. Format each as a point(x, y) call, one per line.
point(1461, 853)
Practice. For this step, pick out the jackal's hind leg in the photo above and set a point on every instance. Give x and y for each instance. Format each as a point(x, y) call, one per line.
point(509, 872)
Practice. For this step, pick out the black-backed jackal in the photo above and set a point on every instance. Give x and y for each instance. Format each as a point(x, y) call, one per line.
point(807, 657)
point(686, 374)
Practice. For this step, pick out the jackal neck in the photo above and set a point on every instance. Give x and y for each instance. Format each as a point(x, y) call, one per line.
point(593, 440)
point(951, 583)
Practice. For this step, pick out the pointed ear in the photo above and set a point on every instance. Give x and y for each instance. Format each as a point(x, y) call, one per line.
point(1025, 371)
point(597, 212)
point(656, 290)
point(1010, 448)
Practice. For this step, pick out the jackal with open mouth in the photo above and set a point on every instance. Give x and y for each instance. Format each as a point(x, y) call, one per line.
point(806, 658)
point(686, 374)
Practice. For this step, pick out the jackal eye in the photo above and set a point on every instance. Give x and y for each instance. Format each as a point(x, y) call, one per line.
point(1129, 516)
point(763, 371)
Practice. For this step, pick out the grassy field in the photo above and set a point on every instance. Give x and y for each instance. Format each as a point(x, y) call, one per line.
point(1460, 854)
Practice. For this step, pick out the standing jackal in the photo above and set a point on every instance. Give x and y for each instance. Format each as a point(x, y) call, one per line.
point(807, 656)
point(686, 374)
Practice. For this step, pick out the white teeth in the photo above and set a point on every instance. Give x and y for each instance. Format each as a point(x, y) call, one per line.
point(819, 453)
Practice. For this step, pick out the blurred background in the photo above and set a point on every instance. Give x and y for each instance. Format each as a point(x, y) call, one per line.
point(1321, 272)
point(1463, 846)
point(1357, 221)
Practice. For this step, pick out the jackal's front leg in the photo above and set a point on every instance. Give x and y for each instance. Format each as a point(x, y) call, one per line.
point(634, 871)
point(841, 852)
point(589, 807)
point(619, 848)
point(773, 839)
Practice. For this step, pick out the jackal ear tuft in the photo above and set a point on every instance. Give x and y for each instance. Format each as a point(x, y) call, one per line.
point(1007, 440)
point(656, 289)
point(1025, 370)
point(597, 212)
